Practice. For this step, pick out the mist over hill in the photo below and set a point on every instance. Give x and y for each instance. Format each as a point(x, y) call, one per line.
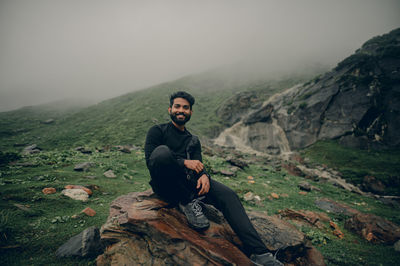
point(126, 119)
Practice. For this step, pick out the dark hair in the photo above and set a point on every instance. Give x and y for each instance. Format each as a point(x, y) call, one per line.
point(181, 94)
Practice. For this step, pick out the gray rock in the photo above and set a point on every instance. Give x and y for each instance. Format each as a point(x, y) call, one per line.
point(304, 186)
point(76, 194)
point(109, 174)
point(83, 166)
point(31, 149)
point(48, 121)
point(86, 244)
point(396, 246)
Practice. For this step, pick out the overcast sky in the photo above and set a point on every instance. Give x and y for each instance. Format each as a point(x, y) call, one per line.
point(53, 49)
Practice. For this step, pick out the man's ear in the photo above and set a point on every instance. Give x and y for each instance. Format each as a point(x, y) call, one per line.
point(169, 110)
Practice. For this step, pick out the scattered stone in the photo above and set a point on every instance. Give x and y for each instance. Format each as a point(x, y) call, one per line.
point(316, 188)
point(90, 176)
point(88, 191)
point(335, 207)
point(83, 166)
point(396, 246)
point(87, 244)
point(83, 150)
point(31, 149)
point(309, 217)
point(76, 194)
point(26, 164)
point(22, 207)
point(303, 193)
point(48, 121)
point(370, 183)
point(336, 230)
point(257, 198)
point(393, 201)
point(49, 190)
point(251, 181)
point(237, 162)
point(248, 196)
point(304, 186)
point(285, 195)
point(227, 173)
point(89, 212)
point(293, 169)
point(250, 177)
point(124, 149)
point(314, 257)
point(274, 195)
point(373, 228)
point(109, 174)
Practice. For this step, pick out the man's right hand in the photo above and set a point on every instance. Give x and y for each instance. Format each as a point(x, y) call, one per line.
point(194, 165)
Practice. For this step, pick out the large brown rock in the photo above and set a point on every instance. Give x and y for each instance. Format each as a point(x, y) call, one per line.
point(373, 228)
point(142, 229)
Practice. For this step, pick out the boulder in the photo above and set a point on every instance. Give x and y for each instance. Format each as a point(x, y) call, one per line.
point(109, 174)
point(293, 169)
point(86, 244)
point(142, 229)
point(335, 207)
point(373, 228)
point(76, 194)
point(370, 183)
point(83, 166)
point(307, 217)
point(237, 162)
point(31, 149)
point(88, 191)
point(83, 150)
point(304, 186)
point(49, 190)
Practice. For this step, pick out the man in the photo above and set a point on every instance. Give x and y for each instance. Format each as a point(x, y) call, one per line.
point(173, 157)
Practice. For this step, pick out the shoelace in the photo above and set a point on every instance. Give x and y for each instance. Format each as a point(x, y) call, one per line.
point(196, 208)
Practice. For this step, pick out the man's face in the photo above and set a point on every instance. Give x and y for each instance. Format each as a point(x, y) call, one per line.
point(180, 111)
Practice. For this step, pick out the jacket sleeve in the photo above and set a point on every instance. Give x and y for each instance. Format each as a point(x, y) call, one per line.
point(154, 139)
point(196, 155)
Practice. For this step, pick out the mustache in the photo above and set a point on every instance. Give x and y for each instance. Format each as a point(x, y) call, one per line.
point(180, 113)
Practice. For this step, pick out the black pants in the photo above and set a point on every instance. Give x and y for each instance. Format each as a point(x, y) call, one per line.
point(170, 182)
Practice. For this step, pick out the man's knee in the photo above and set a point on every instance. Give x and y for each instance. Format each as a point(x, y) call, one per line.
point(161, 156)
point(223, 194)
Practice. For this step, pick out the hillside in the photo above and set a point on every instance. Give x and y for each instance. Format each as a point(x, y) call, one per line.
point(126, 119)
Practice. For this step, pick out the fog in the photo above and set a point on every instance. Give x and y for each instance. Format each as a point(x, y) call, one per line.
point(95, 49)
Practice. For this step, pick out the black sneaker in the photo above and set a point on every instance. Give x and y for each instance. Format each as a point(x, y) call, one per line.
point(266, 259)
point(196, 218)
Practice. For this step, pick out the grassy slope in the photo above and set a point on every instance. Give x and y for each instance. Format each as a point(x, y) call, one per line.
point(33, 236)
point(355, 164)
point(126, 119)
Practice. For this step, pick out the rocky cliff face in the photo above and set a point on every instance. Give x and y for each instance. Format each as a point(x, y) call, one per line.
point(358, 102)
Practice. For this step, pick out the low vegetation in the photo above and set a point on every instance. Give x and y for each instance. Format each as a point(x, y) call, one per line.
point(33, 225)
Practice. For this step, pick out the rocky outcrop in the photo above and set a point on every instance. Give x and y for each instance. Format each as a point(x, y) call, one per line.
point(358, 102)
point(233, 109)
point(373, 228)
point(142, 229)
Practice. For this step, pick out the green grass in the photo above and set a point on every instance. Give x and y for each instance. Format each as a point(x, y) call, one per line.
point(34, 235)
point(355, 164)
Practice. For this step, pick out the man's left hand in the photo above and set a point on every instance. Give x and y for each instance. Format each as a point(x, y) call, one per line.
point(204, 183)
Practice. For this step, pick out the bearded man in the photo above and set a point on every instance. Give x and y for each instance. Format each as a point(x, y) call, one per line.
point(173, 157)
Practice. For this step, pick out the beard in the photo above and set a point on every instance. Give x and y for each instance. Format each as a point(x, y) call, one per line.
point(178, 121)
